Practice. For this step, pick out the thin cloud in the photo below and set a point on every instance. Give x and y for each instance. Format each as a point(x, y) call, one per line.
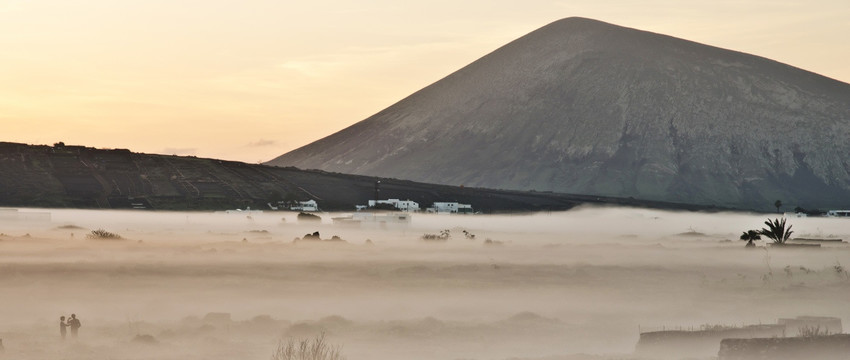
point(262, 143)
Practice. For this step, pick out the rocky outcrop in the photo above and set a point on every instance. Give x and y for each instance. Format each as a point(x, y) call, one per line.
point(585, 107)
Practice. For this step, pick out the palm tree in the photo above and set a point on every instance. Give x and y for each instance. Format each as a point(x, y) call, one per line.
point(778, 205)
point(750, 235)
point(776, 231)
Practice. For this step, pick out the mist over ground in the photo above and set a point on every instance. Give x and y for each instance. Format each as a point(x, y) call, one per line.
point(535, 286)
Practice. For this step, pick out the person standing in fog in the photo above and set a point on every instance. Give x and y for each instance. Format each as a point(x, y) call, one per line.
point(74, 323)
point(63, 327)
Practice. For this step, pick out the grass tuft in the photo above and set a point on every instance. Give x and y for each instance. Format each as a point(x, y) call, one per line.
point(307, 349)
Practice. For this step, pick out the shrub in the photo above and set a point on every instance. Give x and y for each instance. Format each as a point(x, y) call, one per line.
point(491, 242)
point(444, 235)
point(813, 331)
point(101, 234)
point(839, 269)
point(307, 349)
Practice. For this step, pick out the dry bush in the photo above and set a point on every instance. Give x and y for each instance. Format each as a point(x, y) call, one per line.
point(101, 234)
point(444, 235)
point(307, 349)
point(813, 331)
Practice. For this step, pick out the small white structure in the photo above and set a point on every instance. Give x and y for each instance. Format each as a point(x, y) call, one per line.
point(403, 205)
point(381, 219)
point(838, 213)
point(240, 211)
point(450, 208)
point(309, 205)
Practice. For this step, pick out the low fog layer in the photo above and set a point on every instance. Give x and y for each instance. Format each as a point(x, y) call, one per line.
point(225, 286)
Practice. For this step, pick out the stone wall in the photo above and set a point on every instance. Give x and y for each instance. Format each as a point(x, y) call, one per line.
point(831, 347)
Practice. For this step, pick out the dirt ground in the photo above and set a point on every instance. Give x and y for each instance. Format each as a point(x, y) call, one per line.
point(580, 284)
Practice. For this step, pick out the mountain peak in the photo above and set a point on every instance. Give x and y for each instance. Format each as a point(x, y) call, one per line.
point(586, 107)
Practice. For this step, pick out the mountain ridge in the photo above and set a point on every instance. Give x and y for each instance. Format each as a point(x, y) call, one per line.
point(581, 106)
point(61, 176)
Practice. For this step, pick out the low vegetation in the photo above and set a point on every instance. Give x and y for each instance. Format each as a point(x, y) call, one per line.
point(813, 331)
point(70, 227)
point(315, 237)
point(101, 234)
point(443, 236)
point(840, 271)
point(307, 349)
point(491, 242)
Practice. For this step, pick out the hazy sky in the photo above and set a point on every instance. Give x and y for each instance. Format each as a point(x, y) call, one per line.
point(252, 79)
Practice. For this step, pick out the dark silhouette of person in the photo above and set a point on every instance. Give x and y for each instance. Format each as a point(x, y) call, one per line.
point(74, 323)
point(63, 327)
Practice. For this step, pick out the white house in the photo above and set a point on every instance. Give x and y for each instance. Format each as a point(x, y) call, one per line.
point(240, 211)
point(450, 208)
point(403, 205)
point(365, 218)
point(838, 213)
point(309, 205)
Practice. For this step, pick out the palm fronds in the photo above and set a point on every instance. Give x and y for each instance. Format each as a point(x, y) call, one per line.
point(750, 235)
point(776, 231)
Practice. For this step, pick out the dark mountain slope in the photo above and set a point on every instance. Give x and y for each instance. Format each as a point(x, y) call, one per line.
point(83, 177)
point(581, 106)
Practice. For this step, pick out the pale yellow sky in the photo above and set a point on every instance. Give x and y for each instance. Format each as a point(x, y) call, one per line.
point(250, 80)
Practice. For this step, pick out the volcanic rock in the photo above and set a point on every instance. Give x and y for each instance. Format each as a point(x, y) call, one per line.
point(585, 107)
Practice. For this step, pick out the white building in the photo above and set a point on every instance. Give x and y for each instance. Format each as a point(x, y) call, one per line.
point(450, 208)
point(247, 211)
point(309, 205)
point(403, 205)
point(838, 213)
point(368, 218)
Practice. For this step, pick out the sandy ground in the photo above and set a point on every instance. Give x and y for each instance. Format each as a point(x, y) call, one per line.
point(552, 286)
